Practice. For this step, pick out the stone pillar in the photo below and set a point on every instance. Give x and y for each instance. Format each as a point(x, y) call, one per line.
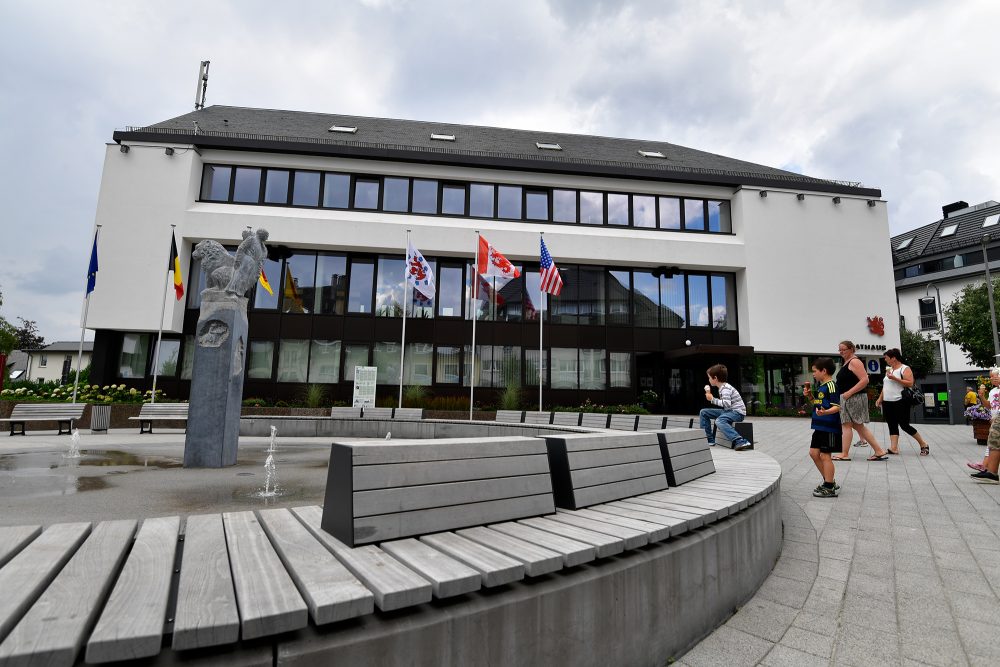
point(213, 426)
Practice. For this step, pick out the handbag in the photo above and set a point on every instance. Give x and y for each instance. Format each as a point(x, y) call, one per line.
point(913, 395)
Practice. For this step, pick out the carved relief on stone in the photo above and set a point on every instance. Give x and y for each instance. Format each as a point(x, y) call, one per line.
point(238, 350)
point(212, 333)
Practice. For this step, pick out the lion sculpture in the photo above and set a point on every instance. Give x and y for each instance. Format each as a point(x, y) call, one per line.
point(215, 262)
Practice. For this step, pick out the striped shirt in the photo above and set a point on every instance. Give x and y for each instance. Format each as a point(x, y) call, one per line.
point(730, 399)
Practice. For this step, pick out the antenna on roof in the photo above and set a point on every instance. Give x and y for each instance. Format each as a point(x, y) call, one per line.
point(199, 93)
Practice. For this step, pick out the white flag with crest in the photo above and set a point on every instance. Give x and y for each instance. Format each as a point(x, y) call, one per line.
point(418, 272)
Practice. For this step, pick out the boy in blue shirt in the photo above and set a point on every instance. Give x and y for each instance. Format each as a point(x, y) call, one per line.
point(826, 437)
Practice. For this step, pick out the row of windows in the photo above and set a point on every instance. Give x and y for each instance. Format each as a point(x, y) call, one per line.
point(398, 194)
point(338, 284)
point(333, 361)
point(946, 263)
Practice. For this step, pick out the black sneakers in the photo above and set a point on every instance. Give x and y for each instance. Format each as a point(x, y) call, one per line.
point(985, 477)
point(825, 492)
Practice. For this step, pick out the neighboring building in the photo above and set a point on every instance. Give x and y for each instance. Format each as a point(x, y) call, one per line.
point(948, 255)
point(673, 259)
point(17, 364)
point(56, 361)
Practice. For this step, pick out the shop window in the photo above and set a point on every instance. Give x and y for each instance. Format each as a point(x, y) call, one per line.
point(293, 360)
point(260, 359)
point(448, 364)
point(134, 356)
point(324, 361)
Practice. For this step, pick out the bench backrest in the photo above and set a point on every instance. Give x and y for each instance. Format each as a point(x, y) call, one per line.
point(346, 413)
point(511, 416)
point(566, 418)
point(623, 422)
point(387, 490)
point(594, 420)
point(686, 455)
point(53, 410)
point(377, 413)
point(592, 468)
point(537, 417)
point(164, 410)
point(408, 413)
point(651, 422)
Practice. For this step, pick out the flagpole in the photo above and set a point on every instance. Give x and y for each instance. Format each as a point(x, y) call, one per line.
point(83, 329)
point(402, 350)
point(163, 309)
point(475, 311)
point(541, 317)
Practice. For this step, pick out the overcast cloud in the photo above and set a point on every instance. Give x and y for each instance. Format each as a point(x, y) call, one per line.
point(899, 95)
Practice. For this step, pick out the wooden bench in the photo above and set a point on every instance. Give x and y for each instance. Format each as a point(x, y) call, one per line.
point(346, 413)
point(408, 413)
point(537, 418)
point(623, 422)
point(377, 413)
point(744, 428)
point(686, 455)
point(592, 468)
point(651, 423)
point(158, 412)
point(566, 418)
point(510, 416)
point(380, 491)
point(594, 420)
point(64, 414)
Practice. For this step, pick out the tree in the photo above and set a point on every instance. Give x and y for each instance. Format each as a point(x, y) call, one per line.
point(919, 350)
point(27, 335)
point(969, 325)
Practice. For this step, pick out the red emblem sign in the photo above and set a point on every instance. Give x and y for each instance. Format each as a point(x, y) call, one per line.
point(876, 325)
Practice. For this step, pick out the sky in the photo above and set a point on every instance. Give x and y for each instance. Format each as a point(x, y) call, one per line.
point(900, 95)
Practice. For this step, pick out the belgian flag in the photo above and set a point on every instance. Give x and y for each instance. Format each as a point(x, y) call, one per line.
point(175, 266)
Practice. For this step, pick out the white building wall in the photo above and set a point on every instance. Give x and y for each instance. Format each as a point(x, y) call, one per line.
point(52, 370)
point(909, 309)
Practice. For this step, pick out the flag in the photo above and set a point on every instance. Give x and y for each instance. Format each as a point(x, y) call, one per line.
point(293, 300)
point(419, 272)
point(483, 291)
point(92, 271)
point(263, 282)
point(493, 263)
point(551, 281)
point(175, 266)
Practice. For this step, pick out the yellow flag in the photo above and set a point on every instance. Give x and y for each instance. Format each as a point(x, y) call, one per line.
point(263, 282)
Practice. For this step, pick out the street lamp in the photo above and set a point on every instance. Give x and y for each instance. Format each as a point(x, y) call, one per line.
point(927, 298)
point(989, 290)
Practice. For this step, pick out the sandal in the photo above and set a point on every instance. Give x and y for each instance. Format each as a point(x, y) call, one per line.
point(841, 458)
point(883, 457)
point(889, 451)
point(925, 451)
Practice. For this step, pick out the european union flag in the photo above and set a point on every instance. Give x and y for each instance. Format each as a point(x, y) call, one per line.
point(92, 271)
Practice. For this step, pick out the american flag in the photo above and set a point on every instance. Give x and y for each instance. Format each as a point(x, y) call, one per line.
point(551, 280)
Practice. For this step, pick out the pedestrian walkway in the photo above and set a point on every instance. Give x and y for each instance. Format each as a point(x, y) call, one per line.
point(902, 569)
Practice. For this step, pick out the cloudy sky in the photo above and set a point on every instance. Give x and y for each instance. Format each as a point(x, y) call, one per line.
point(898, 94)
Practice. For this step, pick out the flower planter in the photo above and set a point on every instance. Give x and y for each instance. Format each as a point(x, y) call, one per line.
point(980, 430)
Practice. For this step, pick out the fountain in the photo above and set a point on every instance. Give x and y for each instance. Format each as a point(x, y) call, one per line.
point(74, 445)
point(270, 478)
point(274, 437)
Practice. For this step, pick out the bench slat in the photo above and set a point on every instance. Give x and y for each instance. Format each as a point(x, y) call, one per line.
point(206, 600)
point(346, 413)
point(610, 474)
point(690, 473)
point(52, 631)
point(592, 495)
point(510, 416)
point(633, 538)
point(448, 576)
point(13, 539)
point(27, 574)
point(330, 590)
point(566, 418)
point(573, 552)
point(615, 456)
point(537, 560)
point(658, 530)
point(377, 413)
point(391, 475)
point(131, 625)
point(268, 601)
point(408, 413)
point(495, 568)
point(402, 451)
point(695, 519)
point(409, 498)
point(537, 418)
point(394, 585)
point(605, 545)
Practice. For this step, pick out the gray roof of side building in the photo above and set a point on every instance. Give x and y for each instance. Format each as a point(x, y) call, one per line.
point(271, 130)
point(927, 240)
point(64, 346)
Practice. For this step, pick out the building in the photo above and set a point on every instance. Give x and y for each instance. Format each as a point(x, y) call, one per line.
point(673, 259)
point(56, 361)
point(938, 260)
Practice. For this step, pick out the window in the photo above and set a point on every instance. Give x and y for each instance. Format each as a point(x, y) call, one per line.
point(336, 190)
point(991, 220)
point(396, 196)
point(359, 296)
point(442, 137)
point(389, 287)
point(453, 199)
point(531, 309)
point(483, 365)
point(506, 365)
point(672, 305)
point(949, 230)
point(928, 312)
point(417, 364)
point(355, 354)
point(343, 129)
point(386, 359)
point(592, 208)
point(645, 299)
point(564, 205)
point(509, 202)
point(418, 305)
point(215, 183)
point(531, 368)
point(276, 188)
point(324, 361)
point(246, 189)
point(723, 303)
point(134, 356)
point(331, 285)
point(670, 213)
point(548, 146)
point(618, 210)
point(481, 200)
point(169, 351)
point(564, 368)
point(654, 154)
point(618, 297)
point(694, 214)
point(904, 244)
point(305, 190)
point(187, 358)
point(449, 283)
point(446, 371)
point(260, 359)
point(697, 301)
point(43, 360)
point(298, 293)
point(644, 211)
point(536, 205)
point(621, 370)
point(592, 369)
point(563, 308)
point(264, 300)
point(366, 193)
point(719, 219)
point(591, 294)
point(425, 196)
point(293, 360)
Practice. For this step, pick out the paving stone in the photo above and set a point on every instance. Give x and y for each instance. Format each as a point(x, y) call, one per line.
point(881, 586)
point(728, 647)
point(979, 637)
point(816, 643)
point(974, 607)
point(763, 618)
point(785, 591)
point(835, 550)
point(861, 645)
point(932, 647)
point(794, 568)
point(786, 656)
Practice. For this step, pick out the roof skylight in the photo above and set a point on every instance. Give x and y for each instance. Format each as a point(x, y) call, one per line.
point(344, 129)
point(548, 147)
point(904, 244)
point(442, 137)
point(949, 230)
point(991, 220)
point(652, 154)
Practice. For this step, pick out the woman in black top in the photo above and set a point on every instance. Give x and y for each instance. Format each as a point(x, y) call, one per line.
point(852, 382)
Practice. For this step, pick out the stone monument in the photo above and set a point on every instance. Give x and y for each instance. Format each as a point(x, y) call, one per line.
point(213, 426)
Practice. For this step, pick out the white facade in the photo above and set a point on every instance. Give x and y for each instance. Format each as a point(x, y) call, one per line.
point(47, 365)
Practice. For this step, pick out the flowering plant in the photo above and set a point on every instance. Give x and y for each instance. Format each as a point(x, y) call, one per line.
point(978, 412)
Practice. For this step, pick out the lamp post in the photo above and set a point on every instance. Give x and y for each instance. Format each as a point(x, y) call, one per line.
point(989, 290)
point(944, 346)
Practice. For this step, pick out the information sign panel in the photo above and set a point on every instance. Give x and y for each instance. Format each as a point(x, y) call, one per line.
point(364, 386)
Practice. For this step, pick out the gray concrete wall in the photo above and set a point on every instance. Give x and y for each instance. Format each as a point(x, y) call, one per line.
point(377, 428)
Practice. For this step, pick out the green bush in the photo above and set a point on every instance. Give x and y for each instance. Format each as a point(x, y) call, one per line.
point(510, 397)
point(415, 396)
point(588, 406)
point(53, 392)
point(254, 403)
point(315, 396)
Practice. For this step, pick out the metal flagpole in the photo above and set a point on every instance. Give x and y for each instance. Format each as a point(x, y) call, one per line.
point(83, 329)
point(402, 350)
point(541, 317)
point(163, 309)
point(475, 312)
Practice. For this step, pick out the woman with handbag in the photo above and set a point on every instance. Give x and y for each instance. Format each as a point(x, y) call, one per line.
point(896, 408)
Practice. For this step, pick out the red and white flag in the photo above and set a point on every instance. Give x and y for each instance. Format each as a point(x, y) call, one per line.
point(493, 263)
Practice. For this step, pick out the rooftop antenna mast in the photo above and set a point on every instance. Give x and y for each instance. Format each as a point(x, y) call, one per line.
point(199, 93)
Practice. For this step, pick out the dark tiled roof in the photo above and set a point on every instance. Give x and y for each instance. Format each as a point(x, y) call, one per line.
point(64, 346)
point(927, 240)
point(386, 138)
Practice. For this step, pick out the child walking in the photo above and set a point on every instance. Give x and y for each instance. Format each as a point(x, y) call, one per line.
point(731, 409)
point(827, 433)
